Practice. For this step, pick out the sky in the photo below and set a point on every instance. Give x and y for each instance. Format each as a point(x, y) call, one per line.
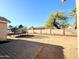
point(32, 12)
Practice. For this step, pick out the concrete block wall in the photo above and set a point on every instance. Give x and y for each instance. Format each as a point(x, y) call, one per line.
point(71, 32)
point(54, 31)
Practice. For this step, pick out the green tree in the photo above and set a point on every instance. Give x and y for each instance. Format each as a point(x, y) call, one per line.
point(10, 26)
point(14, 29)
point(49, 23)
point(63, 1)
point(20, 26)
point(64, 26)
point(52, 20)
point(73, 14)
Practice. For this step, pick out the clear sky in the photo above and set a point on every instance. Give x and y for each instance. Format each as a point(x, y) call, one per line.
point(32, 12)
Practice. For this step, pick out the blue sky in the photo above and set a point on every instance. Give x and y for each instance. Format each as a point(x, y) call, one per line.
point(32, 12)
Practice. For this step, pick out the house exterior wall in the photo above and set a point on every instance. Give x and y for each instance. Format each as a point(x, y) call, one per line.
point(3, 30)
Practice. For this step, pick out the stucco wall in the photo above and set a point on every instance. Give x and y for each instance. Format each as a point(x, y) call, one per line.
point(54, 31)
point(71, 31)
point(3, 30)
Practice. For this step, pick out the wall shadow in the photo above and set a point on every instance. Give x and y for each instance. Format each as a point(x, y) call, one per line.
point(24, 49)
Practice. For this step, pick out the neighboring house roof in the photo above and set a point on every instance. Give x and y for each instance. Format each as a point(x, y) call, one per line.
point(4, 19)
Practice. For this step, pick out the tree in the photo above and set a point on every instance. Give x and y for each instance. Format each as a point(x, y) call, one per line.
point(73, 14)
point(64, 26)
point(20, 26)
point(49, 23)
point(63, 1)
point(59, 16)
point(10, 27)
point(14, 29)
point(52, 20)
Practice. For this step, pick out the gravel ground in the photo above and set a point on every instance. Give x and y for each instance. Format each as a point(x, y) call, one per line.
point(69, 43)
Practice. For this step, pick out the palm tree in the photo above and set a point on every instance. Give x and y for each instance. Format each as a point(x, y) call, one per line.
point(73, 13)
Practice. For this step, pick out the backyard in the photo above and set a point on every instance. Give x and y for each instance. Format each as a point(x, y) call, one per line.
point(38, 29)
point(68, 46)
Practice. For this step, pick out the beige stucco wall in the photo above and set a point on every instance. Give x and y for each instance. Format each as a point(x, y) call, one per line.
point(57, 31)
point(54, 31)
point(71, 31)
point(37, 31)
point(3, 30)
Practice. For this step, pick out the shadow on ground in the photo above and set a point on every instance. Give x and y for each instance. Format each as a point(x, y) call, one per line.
point(22, 49)
point(24, 36)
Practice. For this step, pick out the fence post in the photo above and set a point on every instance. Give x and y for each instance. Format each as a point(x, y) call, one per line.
point(32, 30)
point(50, 31)
point(64, 32)
point(40, 31)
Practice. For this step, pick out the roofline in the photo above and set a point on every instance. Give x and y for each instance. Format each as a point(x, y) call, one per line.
point(2, 21)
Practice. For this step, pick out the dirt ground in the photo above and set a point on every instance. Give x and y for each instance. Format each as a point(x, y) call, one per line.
point(69, 44)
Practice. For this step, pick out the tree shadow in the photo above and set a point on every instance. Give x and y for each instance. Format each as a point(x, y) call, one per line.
point(24, 36)
point(23, 49)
